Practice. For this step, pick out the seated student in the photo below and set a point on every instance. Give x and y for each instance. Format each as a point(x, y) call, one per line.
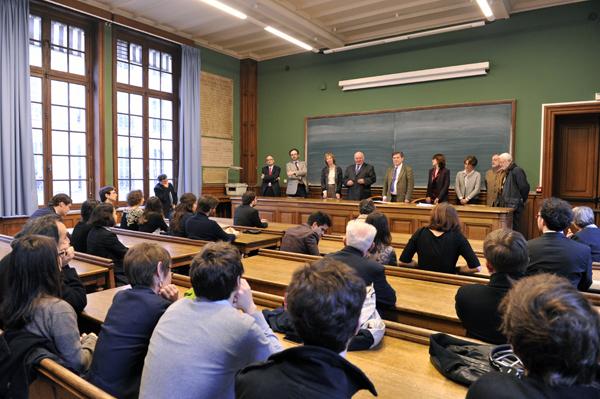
point(199, 344)
point(440, 244)
point(153, 220)
point(82, 228)
point(359, 238)
point(324, 300)
point(183, 211)
point(108, 194)
point(59, 205)
point(72, 290)
point(365, 208)
point(33, 302)
point(246, 215)
point(200, 227)
point(587, 232)
point(103, 242)
point(304, 239)
point(382, 251)
point(506, 258)
point(130, 219)
point(124, 338)
point(553, 252)
point(555, 332)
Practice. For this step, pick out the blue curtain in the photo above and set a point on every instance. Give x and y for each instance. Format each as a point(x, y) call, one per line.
point(190, 157)
point(18, 194)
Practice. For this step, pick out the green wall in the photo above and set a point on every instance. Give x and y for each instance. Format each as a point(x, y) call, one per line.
point(545, 56)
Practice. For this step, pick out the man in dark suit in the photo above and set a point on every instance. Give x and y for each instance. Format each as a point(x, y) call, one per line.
point(246, 215)
point(200, 227)
point(304, 239)
point(552, 252)
point(358, 240)
point(399, 180)
point(270, 178)
point(60, 205)
point(514, 189)
point(359, 178)
point(506, 258)
point(587, 232)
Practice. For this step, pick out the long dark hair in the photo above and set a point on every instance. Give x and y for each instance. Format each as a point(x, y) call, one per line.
point(33, 272)
point(186, 205)
point(152, 205)
point(380, 222)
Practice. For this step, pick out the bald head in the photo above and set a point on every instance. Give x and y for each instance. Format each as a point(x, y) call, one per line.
point(360, 235)
point(359, 158)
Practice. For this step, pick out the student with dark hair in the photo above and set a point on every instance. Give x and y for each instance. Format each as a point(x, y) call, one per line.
point(553, 252)
point(59, 205)
point(555, 331)
point(440, 244)
point(304, 239)
point(108, 194)
point(82, 228)
point(123, 340)
point(33, 301)
point(72, 289)
point(586, 231)
point(382, 251)
point(365, 208)
point(438, 181)
point(165, 191)
point(152, 219)
point(506, 257)
point(246, 215)
point(468, 182)
point(200, 227)
point(183, 211)
point(324, 300)
point(203, 342)
point(105, 243)
point(130, 219)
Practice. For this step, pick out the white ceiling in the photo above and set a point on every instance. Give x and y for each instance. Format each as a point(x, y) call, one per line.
point(320, 23)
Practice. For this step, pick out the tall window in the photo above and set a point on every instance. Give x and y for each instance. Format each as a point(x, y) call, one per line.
point(59, 58)
point(146, 122)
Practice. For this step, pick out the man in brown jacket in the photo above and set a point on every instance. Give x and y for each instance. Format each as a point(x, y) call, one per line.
point(493, 180)
point(399, 180)
point(304, 239)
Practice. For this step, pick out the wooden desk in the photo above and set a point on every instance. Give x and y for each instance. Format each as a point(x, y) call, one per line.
point(477, 220)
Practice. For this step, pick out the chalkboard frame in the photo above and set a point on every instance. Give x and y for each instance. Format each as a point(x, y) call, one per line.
point(511, 102)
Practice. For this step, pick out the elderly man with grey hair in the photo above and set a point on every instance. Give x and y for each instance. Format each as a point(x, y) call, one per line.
point(358, 240)
point(587, 232)
point(359, 177)
point(514, 189)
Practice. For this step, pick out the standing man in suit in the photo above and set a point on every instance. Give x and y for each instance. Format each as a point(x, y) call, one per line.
point(296, 172)
point(270, 178)
point(553, 252)
point(514, 189)
point(493, 180)
point(359, 178)
point(399, 180)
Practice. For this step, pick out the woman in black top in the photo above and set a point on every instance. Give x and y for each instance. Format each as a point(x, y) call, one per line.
point(81, 229)
point(103, 242)
point(438, 181)
point(440, 244)
point(331, 178)
point(183, 211)
point(152, 219)
point(382, 252)
point(131, 216)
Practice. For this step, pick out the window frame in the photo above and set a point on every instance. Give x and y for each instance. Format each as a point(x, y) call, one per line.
point(147, 42)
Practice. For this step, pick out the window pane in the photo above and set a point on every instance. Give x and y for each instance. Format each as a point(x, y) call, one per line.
point(166, 109)
point(122, 50)
point(167, 62)
point(38, 161)
point(40, 191)
point(123, 146)
point(136, 104)
point(38, 144)
point(122, 102)
point(76, 38)
point(36, 115)
point(154, 168)
point(135, 127)
point(35, 27)
point(78, 168)
point(135, 53)
point(123, 168)
point(153, 107)
point(60, 167)
point(136, 148)
point(166, 80)
point(78, 145)
point(123, 189)
point(60, 143)
point(154, 79)
point(137, 168)
point(77, 62)
point(154, 128)
point(154, 149)
point(35, 86)
point(35, 54)
point(167, 149)
point(154, 58)
point(59, 34)
point(78, 191)
point(76, 95)
point(122, 124)
point(167, 168)
point(122, 72)
point(60, 187)
point(60, 118)
point(135, 77)
point(167, 130)
point(59, 93)
point(137, 185)
point(58, 59)
point(77, 119)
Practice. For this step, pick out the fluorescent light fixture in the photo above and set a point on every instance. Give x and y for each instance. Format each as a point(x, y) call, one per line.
point(425, 75)
point(486, 9)
point(287, 37)
point(226, 8)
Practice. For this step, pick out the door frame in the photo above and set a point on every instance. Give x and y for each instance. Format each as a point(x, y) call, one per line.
point(550, 112)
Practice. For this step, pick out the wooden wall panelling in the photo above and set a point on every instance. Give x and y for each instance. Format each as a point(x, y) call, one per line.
point(248, 123)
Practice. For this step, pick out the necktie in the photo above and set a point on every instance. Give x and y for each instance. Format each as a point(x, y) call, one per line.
point(296, 163)
point(357, 169)
point(393, 186)
point(270, 170)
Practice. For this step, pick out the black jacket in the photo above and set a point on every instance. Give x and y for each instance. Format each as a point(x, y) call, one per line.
point(371, 272)
point(302, 372)
point(589, 236)
point(167, 196)
point(155, 221)
point(79, 236)
point(438, 188)
point(554, 253)
point(245, 215)
point(273, 179)
point(338, 179)
point(477, 307)
point(103, 242)
point(360, 191)
point(200, 227)
point(515, 189)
